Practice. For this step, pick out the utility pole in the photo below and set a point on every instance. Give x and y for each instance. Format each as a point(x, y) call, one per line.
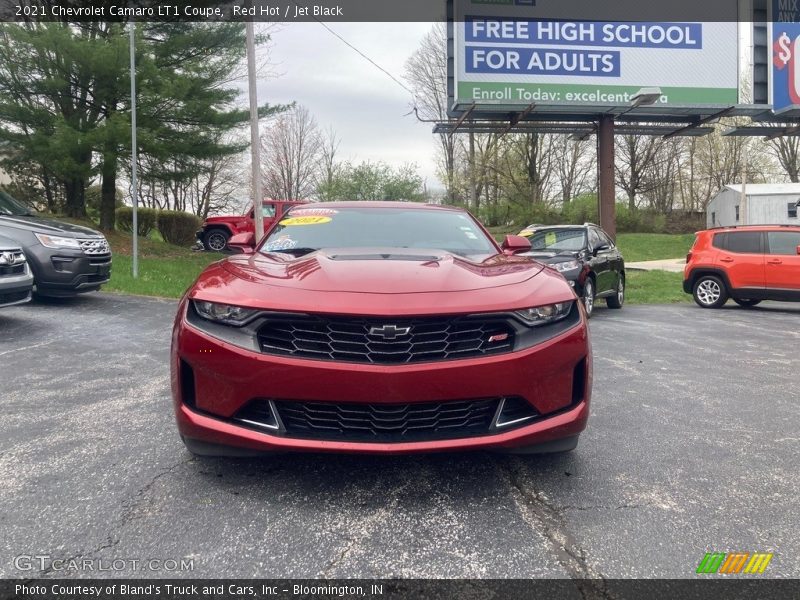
point(134, 152)
point(255, 142)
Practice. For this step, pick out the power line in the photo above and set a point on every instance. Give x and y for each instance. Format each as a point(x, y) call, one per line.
point(367, 58)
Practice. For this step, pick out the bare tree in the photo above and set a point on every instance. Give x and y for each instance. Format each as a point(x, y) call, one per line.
point(290, 151)
point(426, 71)
point(329, 168)
point(528, 166)
point(635, 157)
point(574, 166)
point(787, 152)
point(661, 186)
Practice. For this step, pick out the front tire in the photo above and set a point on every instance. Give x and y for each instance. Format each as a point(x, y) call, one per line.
point(709, 292)
point(588, 297)
point(216, 240)
point(746, 303)
point(618, 299)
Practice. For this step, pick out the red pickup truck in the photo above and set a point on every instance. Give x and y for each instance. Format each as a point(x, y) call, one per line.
point(216, 231)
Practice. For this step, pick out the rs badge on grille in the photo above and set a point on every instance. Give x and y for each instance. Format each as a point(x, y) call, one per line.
point(389, 332)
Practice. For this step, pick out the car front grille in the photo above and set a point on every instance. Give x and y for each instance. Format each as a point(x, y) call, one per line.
point(386, 340)
point(387, 422)
point(12, 263)
point(95, 246)
point(14, 297)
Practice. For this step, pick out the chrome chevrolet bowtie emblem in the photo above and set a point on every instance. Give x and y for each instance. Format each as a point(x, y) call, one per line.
point(6, 258)
point(389, 332)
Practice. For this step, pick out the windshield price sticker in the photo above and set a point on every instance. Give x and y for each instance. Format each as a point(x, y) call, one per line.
point(293, 221)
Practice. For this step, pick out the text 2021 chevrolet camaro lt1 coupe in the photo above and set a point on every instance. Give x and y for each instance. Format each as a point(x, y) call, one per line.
point(379, 327)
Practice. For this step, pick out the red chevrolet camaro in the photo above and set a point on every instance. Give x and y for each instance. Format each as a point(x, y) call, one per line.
point(379, 327)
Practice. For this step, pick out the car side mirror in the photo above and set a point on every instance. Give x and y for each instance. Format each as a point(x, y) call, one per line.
point(515, 243)
point(244, 243)
point(601, 248)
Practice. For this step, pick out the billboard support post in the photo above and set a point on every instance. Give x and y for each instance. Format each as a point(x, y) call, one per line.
point(605, 166)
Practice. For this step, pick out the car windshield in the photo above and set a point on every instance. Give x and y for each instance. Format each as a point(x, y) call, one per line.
point(559, 240)
point(10, 206)
point(305, 230)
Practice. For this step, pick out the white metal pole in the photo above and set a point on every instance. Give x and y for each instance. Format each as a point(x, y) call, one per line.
point(255, 142)
point(134, 152)
point(743, 203)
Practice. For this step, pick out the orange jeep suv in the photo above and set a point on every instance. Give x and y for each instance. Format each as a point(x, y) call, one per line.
point(748, 264)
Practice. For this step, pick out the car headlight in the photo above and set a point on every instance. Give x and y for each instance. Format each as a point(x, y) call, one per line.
point(223, 313)
point(566, 266)
point(54, 241)
point(542, 315)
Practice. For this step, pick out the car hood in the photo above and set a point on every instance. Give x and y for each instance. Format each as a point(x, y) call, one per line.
point(382, 270)
point(413, 282)
point(45, 225)
point(225, 219)
point(7, 244)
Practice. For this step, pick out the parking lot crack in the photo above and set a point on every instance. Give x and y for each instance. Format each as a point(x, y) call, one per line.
point(109, 542)
point(552, 525)
point(140, 496)
point(603, 507)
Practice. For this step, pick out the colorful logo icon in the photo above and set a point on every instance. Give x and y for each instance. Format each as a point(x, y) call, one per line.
point(734, 563)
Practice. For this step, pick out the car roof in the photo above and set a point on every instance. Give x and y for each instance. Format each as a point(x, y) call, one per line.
point(381, 204)
point(542, 227)
point(750, 228)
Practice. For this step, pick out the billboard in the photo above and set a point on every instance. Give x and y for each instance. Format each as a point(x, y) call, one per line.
point(784, 87)
point(504, 55)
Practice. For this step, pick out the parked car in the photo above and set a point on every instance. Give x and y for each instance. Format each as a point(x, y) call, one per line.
point(379, 327)
point(748, 264)
point(16, 281)
point(65, 259)
point(216, 231)
point(586, 256)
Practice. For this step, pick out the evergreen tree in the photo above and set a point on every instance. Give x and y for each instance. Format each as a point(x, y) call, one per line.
point(65, 101)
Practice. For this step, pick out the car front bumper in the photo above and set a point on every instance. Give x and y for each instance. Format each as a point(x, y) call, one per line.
point(555, 377)
point(66, 272)
point(16, 289)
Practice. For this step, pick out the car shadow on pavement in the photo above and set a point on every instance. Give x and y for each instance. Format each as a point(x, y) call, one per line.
point(318, 476)
point(770, 308)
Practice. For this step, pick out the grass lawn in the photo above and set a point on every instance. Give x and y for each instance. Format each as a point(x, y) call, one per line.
point(166, 277)
point(655, 287)
point(636, 247)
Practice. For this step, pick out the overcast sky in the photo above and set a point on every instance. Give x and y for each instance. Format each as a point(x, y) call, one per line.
point(344, 91)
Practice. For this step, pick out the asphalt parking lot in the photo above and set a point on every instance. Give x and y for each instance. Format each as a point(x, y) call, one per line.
point(693, 446)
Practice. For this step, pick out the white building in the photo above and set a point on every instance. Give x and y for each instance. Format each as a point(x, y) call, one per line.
point(767, 204)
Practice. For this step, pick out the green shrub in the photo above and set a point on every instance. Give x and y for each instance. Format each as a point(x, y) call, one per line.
point(582, 209)
point(145, 220)
point(178, 227)
point(540, 214)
